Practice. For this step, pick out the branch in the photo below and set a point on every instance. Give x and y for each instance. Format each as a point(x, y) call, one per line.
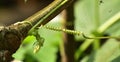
point(12, 36)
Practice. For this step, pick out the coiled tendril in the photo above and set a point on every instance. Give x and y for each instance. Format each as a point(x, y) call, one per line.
point(75, 32)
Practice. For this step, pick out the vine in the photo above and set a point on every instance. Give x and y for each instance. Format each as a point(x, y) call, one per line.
point(75, 32)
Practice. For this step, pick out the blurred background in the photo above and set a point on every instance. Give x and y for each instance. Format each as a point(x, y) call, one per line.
point(92, 17)
point(12, 11)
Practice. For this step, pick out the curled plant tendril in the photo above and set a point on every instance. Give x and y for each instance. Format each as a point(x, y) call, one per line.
point(39, 43)
point(62, 29)
point(75, 32)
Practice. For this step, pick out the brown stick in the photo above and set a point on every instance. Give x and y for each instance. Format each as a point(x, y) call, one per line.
point(69, 41)
point(12, 36)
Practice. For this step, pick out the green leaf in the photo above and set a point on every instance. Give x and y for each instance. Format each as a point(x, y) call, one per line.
point(109, 52)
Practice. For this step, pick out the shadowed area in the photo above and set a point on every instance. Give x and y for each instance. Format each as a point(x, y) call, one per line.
point(12, 11)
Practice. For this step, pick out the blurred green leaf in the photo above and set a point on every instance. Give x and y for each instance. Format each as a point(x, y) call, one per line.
point(109, 52)
point(85, 15)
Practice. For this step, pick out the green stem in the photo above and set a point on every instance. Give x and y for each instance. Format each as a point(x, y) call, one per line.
point(109, 23)
point(82, 48)
point(96, 19)
point(42, 15)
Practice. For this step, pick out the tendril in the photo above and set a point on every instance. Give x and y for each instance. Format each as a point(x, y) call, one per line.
point(39, 43)
point(75, 32)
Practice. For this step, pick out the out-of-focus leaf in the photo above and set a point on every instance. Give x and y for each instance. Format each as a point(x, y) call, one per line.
point(84, 16)
point(109, 52)
point(84, 13)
